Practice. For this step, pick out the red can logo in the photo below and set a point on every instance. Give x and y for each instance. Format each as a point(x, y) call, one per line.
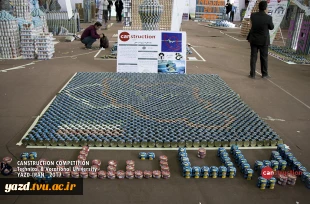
point(124, 36)
point(267, 172)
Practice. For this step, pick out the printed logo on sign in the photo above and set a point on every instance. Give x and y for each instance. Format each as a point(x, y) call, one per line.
point(267, 172)
point(124, 36)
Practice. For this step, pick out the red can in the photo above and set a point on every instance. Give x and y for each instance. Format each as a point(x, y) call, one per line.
point(66, 174)
point(85, 148)
point(111, 174)
point(130, 168)
point(164, 168)
point(120, 174)
point(95, 168)
point(112, 163)
point(139, 174)
point(96, 162)
point(75, 174)
point(147, 174)
point(130, 163)
point(102, 174)
point(165, 174)
point(83, 152)
point(163, 158)
point(82, 157)
point(157, 174)
point(84, 174)
point(163, 163)
point(7, 160)
point(111, 168)
point(93, 174)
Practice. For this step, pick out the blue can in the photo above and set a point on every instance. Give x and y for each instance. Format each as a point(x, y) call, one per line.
point(233, 148)
point(182, 155)
point(296, 165)
point(196, 171)
point(24, 156)
point(220, 150)
point(262, 183)
point(282, 165)
point(238, 158)
point(242, 161)
point(187, 172)
point(223, 154)
point(151, 155)
point(232, 171)
point(244, 167)
point(278, 158)
point(248, 174)
point(267, 163)
point(258, 165)
point(305, 176)
point(274, 154)
point(33, 155)
point(204, 172)
point(186, 164)
point(182, 150)
point(222, 173)
point(236, 153)
point(274, 165)
point(184, 159)
point(288, 155)
point(142, 155)
point(228, 164)
point(213, 172)
point(290, 160)
point(271, 183)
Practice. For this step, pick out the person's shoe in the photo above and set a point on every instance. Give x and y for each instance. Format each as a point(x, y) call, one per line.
point(266, 77)
point(252, 77)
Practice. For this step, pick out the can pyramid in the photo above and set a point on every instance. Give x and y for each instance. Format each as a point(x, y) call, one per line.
point(246, 27)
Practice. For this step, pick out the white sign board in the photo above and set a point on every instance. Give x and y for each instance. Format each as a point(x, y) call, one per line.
point(249, 8)
point(151, 52)
point(69, 9)
point(277, 9)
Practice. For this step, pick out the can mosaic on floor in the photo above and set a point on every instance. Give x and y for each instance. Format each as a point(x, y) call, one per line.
point(149, 110)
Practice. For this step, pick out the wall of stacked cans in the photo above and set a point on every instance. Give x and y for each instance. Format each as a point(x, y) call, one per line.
point(281, 160)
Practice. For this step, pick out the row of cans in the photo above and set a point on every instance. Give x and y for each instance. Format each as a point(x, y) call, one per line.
point(149, 155)
point(30, 155)
point(242, 163)
point(266, 183)
point(164, 167)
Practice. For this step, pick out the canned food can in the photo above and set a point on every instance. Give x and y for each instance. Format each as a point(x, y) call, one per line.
point(83, 152)
point(130, 163)
point(142, 155)
point(138, 174)
point(93, 174)
point(151, 155)
point(111, 168)
point(228, 164)
point(282, 165)
point(102, 174)
point(220, 150)
point(24, 156)
point(165, 174)
point(204, 172)
point(157, 174)
point(282, 178)
point(130, 174)
point(248, 174)
point(112, 163)
point(305, 176)
point(222, 173)
point(162, 162)
point(120, 174)
point(182, 154)
point(85, 148)
point(7, 160)
point(232, 172)
point(164, 168)
point(147, 174)
point(233, 148)
point(84, 174)
point(130, 168)
point(184, 159)
point(66, 174)
point(213, 172)
point(95, 168)
point(82, 157)
point(257, 165)
point(186, 164)
point(96, 162)
point(163, 158)
point(33, 155)
point(262, 183)
point(182, 149)
point(272, 183)
point(75, 174)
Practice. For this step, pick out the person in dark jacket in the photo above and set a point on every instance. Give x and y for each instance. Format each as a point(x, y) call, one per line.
point(228, 9)
point(119, 9)
point(90, 35)
point(109, 8)
point(259, 39)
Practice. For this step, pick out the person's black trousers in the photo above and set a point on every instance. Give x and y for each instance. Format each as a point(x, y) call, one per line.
point(119, 16)
point(263, 51)
point(232, 15)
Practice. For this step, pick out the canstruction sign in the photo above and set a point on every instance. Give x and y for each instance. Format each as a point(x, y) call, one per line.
point(151, 52)
point(277, 9)
point(209, 10)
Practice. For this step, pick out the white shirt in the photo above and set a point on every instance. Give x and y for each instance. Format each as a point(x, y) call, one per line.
point(103, 5)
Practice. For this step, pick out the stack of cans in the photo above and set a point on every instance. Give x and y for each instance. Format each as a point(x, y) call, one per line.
point(150, 13)
point(44, 46)
point(204, 172)
point(282, 179)
point(267, 163)
point(151, 155)
point(248, 174)
point(28, 36)
point(22, 9)
point(262, 183)
point(291, 179)
point(165, 174)
point(274, 165)
point(202, 153)
point(111, 174)
point(130, 174)
point(120, 174)
point(243, 163)
point(222, 172)
point(232, 171)
point(271, 183)
point(142, 155)
point(282, 165)
point(185, 164)
point(258, 165)
point(138, 174)
point(130, 165)
point(157, 174)
point(187, 172)
point(147, 174)
point(102, 174)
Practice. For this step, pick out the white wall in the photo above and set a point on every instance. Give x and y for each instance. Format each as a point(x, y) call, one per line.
point(73, 2)
point(192, 7)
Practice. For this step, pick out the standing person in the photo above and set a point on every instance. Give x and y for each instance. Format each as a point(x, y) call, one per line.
point(232, 13)
point(228, 9)
point(119, 9)
point(103, 7)
point(259, 39)
point(109, 8)
point(90, 35)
